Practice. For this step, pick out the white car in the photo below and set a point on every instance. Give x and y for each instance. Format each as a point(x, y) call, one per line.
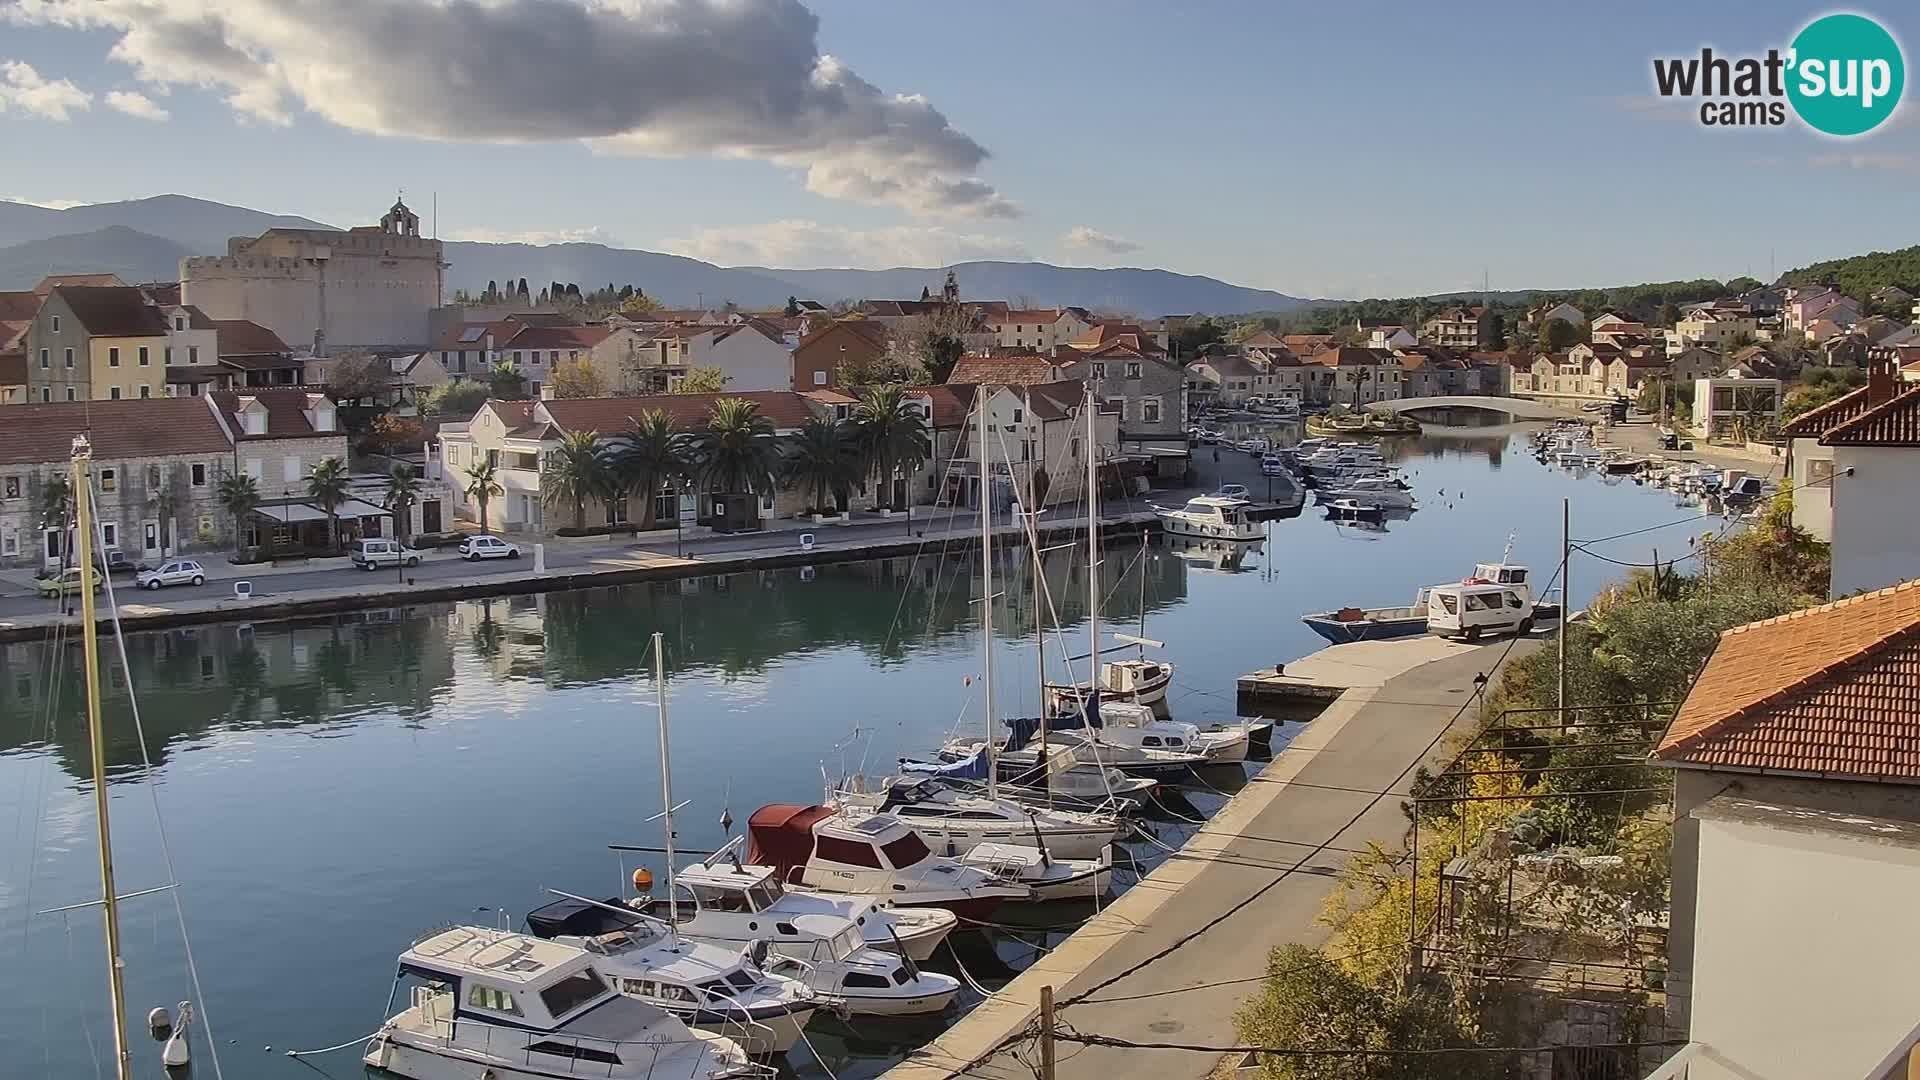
point(369, 554)
point(487, 547)
point(1232, 491)
point(176, 572)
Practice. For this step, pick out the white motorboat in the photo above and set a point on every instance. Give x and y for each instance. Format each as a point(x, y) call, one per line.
point(1133, 757)
point(1138, 680)
point(954, 821)
point(880, 856)
point(1069, 778)
point(1123, 724)
point(709, 987)
point(1210, 517)
point(513, 1007)
point(816, 941)
point(1050, 877)
point(1372, 490)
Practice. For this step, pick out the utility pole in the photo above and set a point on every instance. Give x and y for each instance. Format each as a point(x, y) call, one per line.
point(1046, 1033)
point(1566, 602)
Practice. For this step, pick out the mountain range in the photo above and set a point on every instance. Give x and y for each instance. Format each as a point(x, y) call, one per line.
point(144, 240)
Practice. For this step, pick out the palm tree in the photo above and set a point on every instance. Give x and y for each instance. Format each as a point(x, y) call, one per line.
point(647, 456)
point(403, 490)
point(239, 495)
point(56, 505)
point(576, 472)
point(328, 485)
point(825, 459)
point(893, 436)
point(481, 487)
point(738, 452)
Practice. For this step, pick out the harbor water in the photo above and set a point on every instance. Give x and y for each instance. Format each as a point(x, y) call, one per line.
point(332, 788)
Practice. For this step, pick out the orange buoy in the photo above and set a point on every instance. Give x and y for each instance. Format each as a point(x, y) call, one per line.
point(642, 879)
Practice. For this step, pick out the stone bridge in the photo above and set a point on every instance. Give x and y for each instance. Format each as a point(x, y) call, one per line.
point(1517, 407)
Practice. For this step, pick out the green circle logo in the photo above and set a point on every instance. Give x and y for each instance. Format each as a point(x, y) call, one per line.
point(1846, 74)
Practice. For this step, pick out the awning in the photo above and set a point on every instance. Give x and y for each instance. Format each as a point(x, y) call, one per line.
point(291, 513)
point(360, 508)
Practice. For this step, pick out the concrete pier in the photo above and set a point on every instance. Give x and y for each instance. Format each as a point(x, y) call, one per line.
point(1261, 867)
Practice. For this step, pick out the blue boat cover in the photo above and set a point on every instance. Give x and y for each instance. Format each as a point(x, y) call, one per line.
point(1024, 728)
point(968, 768)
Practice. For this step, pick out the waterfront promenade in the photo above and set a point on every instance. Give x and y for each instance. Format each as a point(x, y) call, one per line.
point(1173, 958)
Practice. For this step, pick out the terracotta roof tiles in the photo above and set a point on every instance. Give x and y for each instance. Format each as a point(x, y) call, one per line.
point(1005, 370)
point(155, 428)
point(1895, 422)
point(1833, 690)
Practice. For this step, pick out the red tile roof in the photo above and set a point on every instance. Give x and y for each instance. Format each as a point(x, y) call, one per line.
point(1352, 356)
point(286, 413)
point(951, 402)
point(54, 281)
point(786, 409)
point(243, 337)
point(13, 369)
point(1895, 422)
point(113, 311)
point(1832, 690)
point(557, 337)
point(157, 428)
point(1005, 369)
point(19, 305)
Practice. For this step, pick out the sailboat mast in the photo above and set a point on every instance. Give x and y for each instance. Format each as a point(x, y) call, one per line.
point(82, 486)
point(1039, 599)
point(666, 779)
point(1093, 560)
point(984, 393)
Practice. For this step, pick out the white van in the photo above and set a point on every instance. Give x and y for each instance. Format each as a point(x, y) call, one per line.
point(1469, 610)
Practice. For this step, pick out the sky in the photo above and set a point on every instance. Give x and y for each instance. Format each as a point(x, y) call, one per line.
point(1332, 150)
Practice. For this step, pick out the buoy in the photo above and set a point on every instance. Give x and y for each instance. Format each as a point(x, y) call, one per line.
point(158, 1021)
point(642, 879)
point(175, 1053)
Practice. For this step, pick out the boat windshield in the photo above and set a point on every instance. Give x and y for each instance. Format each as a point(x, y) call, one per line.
point(764, 895)
point(906, 851)
point(572, 992)
point(848, 942)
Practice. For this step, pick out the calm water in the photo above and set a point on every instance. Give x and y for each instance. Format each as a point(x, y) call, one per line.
point(334, 787)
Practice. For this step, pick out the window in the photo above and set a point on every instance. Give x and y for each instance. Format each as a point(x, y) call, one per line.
point(146, 391)
point(68, 357)
point(145, 360)
point(44, 358)
point(290, 468)
point(110, 533)
point(666, 508)
point(906, 851)
point(847, 852)
point(1074, 448)
point(572, 992)
point(109, 479)
point(553, 357)
point(819, 377)
point(113, 393)
point(9, 543)
point(56, 324)
point(199, 475)
point(861, 980)
point(1133, 370)
point(1150, 411)
point(113, 357)
point(617, 512)
point(1099, 371)
point(492, 999)
point(516, 359)
point(255, 469)
point(12, 488)
point(46, 393)
point(575, 1052)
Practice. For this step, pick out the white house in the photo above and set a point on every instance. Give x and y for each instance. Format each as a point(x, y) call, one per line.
point(1855, 468)
point(754, 355)
point(1723, 402)
point(1390, 338)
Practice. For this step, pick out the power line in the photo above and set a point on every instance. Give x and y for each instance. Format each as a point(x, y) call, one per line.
point(1345, 1051)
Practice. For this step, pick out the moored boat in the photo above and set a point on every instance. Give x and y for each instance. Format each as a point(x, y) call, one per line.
point(1370, 624)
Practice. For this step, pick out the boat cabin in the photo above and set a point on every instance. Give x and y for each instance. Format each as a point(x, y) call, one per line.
point(1497, 574)
point(796, 839)
point(643, 961)
point(502, 979)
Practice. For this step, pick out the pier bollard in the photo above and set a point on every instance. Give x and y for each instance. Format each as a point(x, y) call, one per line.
point(539, 558)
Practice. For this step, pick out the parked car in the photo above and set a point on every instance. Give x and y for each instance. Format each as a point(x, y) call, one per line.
point(368, 554)
point(117, 562)
point(65, 583)
point(174, 572)
point(1232, 491)
point(487, 547)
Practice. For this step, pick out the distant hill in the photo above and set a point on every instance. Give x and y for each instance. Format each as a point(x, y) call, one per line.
point(1139, 291)
point(673, 279)
point(134, 255)
point(1859, 275)
point(198, 224)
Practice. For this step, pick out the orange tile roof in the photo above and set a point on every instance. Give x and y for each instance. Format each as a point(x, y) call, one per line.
point(1832, 690)
point(144, 428)
point(1895, 422)
point(1004, 370)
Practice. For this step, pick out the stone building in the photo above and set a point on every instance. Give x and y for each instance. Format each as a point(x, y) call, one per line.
point(370, 286)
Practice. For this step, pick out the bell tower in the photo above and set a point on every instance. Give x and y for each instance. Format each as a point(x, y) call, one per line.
point(400, 221)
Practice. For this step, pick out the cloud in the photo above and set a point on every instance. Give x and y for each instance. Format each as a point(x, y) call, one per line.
point(45, 204)
point(136, 104)
point(1889, 161)
point(668, 78)
point(23, 88)
point(1086, 238)
point(537, 237)
point(807, 244)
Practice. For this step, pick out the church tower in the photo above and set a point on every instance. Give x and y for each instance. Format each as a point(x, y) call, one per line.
point(400, 221)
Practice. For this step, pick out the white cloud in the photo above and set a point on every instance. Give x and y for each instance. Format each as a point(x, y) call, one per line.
point(23, 88)
point(135, 104)
point(809, 244)
point(1087, 238)
point(537, 237)
point(45, 204)
point(722, 78)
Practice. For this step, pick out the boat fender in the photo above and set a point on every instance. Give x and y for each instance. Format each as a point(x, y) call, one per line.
point(159, 1022)
point(642, 879)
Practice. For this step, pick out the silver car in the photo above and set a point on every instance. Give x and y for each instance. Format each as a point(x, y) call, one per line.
point(487, 547)
point(175, 572)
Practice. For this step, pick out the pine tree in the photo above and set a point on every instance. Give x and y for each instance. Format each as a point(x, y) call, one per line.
point(523, 293)
point(492, 295)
